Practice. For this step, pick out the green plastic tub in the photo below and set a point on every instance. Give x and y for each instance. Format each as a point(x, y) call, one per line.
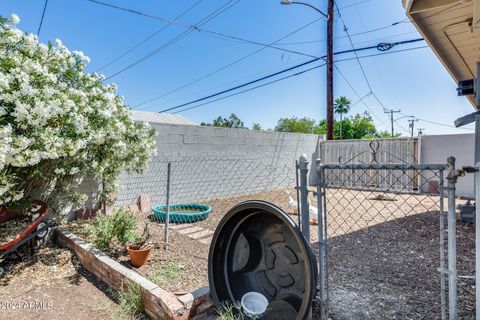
point(182, 213)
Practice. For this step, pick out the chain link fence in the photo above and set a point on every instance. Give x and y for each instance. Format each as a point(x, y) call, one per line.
point(385, 239)
point(195, 193)
point(382, 228)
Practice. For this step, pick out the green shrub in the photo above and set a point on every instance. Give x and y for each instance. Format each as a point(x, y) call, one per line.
point(58, 123)
point(107, 231)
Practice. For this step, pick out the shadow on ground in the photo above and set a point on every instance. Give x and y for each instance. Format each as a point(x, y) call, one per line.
point(390, 270)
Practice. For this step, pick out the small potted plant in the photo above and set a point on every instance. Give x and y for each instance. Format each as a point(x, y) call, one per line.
point(140, 250)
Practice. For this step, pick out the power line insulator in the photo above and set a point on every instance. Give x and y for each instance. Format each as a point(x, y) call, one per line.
point(385, 46)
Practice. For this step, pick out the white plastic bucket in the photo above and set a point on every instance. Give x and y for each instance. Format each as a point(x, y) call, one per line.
point(254, 304)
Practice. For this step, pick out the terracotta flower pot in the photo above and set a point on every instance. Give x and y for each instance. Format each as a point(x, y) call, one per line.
point(138, 257)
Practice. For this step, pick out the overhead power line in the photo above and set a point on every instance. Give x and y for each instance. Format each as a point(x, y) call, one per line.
point(343, 37)
point(225, 66)
point(206, 19)
point(436, 123)
point(383, 53)
point(356, 92)
point(286, 77)
point(360, 99)
point(345, 29)
point(274, 68)
point(354, 4)
point(150, 36)
point(43, 17)
point(256, 74)
point(402, 127)
point(243, 85)
point(253, 88)
point(190, 28)
point(226, 84)
point(284, 71)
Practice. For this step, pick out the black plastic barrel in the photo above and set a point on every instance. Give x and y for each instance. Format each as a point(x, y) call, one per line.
point(258, 247)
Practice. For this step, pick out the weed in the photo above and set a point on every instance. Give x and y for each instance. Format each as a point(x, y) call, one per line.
point(129, 303)
point(229, 312)
point(166, 272)
point(109, 230)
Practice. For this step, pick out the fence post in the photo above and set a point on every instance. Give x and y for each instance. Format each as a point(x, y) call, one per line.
point(452, 240)
point(443, 303)
point(304, 203)
point(322, 255)
point(167, 215)
point(297, 189)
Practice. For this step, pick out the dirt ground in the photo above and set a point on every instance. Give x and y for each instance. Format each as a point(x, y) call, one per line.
point(192, 255)
point(52, 284)
point(383, 254)
point(185, 258)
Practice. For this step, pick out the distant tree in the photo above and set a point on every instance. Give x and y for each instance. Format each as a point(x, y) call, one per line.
point(232, 122)
point(342, 106)
point(360, 126)
point(386, 134)
point(293, 124)
point(256, 126)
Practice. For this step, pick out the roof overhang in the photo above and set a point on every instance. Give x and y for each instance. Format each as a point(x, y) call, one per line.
point(452, 29)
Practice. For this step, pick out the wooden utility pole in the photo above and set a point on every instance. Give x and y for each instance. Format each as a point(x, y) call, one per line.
point(330, 20)
point(391, 112)
point(411, 124)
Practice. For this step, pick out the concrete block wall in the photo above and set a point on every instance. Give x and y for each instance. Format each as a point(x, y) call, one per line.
point(210, 162)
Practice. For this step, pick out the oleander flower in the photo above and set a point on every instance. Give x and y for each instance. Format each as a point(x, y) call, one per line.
point(15, 19)
point(58, 122)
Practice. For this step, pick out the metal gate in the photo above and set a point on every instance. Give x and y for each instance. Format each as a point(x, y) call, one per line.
point(382, 240)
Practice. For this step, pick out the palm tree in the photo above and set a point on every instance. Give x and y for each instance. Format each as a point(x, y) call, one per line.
point(342, 106)
point(256, 126)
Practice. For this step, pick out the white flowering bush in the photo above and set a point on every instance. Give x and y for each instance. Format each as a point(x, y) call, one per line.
point(58, 122)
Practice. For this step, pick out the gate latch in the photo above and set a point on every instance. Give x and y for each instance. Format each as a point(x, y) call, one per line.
point(470, 169)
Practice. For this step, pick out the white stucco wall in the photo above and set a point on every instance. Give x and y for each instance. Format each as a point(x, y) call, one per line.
point(437, 148)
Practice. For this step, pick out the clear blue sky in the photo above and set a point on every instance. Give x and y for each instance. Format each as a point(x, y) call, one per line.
point(413, 81)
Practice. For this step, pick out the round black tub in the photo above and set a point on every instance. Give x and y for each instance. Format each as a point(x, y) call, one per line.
point(258, 247)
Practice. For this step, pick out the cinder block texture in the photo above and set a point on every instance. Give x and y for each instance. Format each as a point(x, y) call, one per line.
point(210, 163)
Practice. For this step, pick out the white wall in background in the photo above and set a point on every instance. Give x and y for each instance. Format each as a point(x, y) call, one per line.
point(437, 148)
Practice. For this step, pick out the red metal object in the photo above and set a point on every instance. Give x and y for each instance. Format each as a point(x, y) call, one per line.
point(6, 216)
